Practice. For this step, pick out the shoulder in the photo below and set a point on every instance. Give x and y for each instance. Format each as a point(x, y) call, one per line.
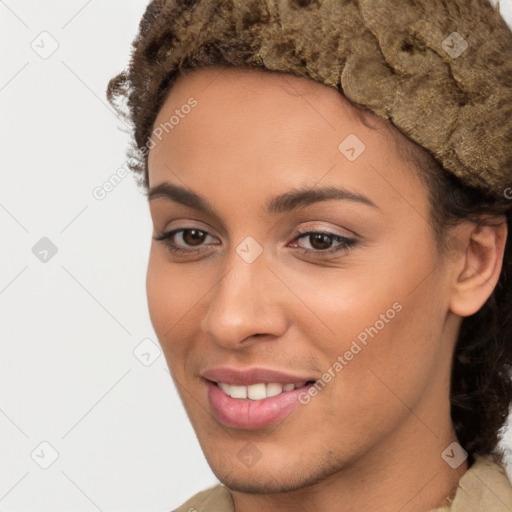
point(485, 486)
point(213, 499)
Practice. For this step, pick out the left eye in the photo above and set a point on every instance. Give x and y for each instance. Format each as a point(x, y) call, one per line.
point(322, 240)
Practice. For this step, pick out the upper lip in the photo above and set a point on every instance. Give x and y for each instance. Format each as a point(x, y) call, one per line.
point(248, 376)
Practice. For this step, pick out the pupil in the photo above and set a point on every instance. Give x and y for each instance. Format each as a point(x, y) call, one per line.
point(321, 237)
point(195, 238)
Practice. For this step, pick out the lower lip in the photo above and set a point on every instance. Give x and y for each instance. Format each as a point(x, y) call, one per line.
point(250, 414)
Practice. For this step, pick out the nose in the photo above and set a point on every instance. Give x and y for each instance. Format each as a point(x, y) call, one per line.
point(245, 305)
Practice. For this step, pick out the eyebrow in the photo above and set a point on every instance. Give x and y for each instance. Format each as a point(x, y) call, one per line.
point(279, 204)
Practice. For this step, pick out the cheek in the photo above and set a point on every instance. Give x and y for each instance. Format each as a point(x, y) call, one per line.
point(157, 283)
point(386, 329)
point(166, 296)
point(374, 372)
point(174, 294)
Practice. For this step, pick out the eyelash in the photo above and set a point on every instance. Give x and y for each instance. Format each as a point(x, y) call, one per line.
point(346, 243)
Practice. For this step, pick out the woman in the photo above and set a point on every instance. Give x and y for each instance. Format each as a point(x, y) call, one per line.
point(329, 276)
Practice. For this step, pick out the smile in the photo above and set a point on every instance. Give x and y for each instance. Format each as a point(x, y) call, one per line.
point(254, 406)
point(258, 391)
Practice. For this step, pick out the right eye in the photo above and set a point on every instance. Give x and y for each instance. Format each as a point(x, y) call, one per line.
point(191, 237)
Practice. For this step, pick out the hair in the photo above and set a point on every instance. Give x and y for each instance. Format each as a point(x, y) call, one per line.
point(481, 385)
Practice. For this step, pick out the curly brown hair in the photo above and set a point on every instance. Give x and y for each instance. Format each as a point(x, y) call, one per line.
point(178, 36)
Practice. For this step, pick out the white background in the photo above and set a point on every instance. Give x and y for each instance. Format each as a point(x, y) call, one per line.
point(69, 325)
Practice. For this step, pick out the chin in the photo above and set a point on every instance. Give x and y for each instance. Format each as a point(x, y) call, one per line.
point(269, 477)
point(261, 483)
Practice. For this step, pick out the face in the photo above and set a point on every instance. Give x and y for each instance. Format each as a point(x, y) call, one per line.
point(344, 288)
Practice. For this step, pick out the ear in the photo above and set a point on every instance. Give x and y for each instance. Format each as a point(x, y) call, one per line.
point(477, 272)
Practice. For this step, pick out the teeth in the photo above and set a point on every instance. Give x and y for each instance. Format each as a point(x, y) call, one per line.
point(224, 387)
point(273, 388)
point(257, 391)
point(238, 391)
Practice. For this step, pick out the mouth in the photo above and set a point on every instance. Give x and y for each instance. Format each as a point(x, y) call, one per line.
point(254, 406)
point(260, 390)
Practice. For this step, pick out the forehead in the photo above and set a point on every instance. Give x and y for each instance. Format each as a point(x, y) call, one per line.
point(250, 123)
point(266, 86)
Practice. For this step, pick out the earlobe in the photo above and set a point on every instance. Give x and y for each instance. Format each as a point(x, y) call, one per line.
point(477, 272)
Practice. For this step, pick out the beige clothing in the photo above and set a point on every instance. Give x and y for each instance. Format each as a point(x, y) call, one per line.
point(484, 487)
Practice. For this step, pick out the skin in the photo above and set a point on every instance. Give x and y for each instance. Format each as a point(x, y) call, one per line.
point(372, 438)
